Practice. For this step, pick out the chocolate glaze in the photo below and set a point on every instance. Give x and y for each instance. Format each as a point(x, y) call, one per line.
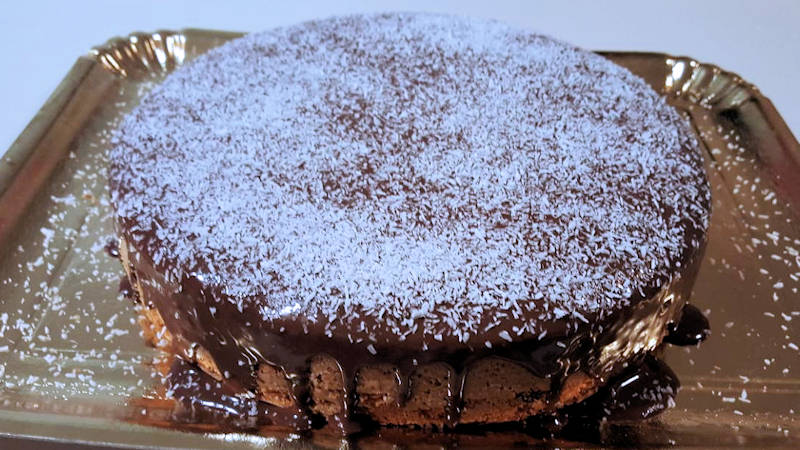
point(112, 248)
point(692, 329)
point(238, 341)
point(202, 399)
point(639, 392)
point(126, 289)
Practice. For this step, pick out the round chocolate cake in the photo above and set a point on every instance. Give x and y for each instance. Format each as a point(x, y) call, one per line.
point(408, 218)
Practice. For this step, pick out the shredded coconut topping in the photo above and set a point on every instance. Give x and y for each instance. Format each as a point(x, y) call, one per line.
point(422, 170)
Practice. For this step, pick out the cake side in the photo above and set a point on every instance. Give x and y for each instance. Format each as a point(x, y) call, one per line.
point(441, 390)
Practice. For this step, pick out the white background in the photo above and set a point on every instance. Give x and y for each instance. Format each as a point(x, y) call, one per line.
point(759, 40)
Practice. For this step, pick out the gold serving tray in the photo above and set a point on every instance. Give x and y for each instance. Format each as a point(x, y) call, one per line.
point(74, 368)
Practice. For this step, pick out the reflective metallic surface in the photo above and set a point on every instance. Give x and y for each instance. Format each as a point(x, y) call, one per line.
point(73, 366)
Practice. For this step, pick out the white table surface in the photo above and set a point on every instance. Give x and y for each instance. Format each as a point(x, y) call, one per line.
point(759, 40)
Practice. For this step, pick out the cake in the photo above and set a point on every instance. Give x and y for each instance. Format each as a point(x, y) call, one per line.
point(408, 219)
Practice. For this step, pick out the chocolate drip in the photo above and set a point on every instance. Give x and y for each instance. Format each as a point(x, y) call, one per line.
point(202, 399)
point(456, 398)
point(692, 328)
point(404, 383)
point(112, 248)
point(545, 359)
point(640, 392)
point(238, 342)
point(126, 289)
point(347, 422)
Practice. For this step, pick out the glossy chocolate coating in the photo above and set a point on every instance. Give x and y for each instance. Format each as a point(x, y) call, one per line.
point(692, 329)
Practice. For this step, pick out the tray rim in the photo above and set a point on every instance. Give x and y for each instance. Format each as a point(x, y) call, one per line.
point(18, 160)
